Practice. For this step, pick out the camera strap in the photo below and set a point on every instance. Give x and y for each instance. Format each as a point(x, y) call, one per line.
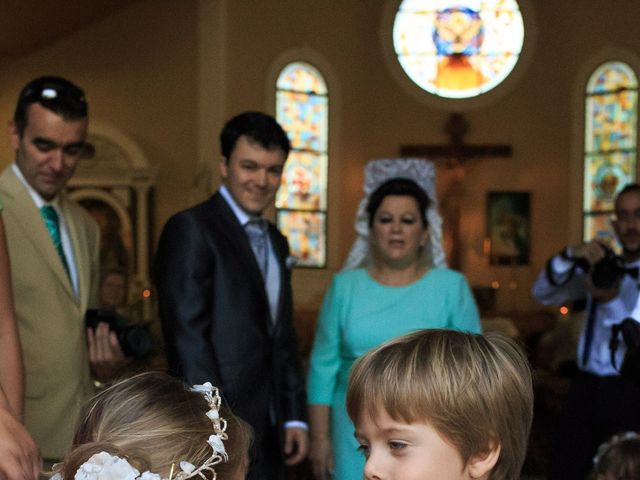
point(588, 336)
point(614, 343)
point(629, 329)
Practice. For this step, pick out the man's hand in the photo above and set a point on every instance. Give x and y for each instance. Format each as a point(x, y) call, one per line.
point(19, 458)
point(105, 355)
point(591, 251)
point(296, 445)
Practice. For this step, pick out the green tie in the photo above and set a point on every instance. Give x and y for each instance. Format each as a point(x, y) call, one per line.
point(52, 222)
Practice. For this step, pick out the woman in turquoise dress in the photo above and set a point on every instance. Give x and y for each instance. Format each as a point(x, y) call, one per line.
point(395, 282)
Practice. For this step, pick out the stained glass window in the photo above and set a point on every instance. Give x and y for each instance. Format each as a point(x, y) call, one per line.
point(302, 108)
point(610, 145)
point(458, 48)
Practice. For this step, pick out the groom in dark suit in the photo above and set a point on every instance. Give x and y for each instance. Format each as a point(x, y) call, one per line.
point(224, 289)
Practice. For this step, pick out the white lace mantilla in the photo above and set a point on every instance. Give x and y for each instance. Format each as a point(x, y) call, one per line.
point(377, 172)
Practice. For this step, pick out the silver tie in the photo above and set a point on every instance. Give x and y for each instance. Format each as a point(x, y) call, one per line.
point(257, 232)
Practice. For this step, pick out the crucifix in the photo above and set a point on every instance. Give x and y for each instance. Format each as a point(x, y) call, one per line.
point(453, 157)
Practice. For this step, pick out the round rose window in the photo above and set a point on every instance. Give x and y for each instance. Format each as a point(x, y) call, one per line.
point(458, 49)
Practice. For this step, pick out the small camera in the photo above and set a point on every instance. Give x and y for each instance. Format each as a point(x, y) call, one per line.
point(606, 271)
point(135, 340)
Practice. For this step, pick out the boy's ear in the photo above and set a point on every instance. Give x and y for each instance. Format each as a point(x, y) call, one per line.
point(480, 464)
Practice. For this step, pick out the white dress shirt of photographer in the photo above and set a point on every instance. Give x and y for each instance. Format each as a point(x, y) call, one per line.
point(563, 282)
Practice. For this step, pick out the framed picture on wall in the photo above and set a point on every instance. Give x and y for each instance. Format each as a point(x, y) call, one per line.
point(508, 228)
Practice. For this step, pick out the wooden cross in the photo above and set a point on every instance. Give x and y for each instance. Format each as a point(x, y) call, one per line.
point(454, 155)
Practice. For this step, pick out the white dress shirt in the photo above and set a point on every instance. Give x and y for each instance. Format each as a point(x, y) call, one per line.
point(272, 282)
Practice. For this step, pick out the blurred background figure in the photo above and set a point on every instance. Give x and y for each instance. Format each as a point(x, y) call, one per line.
point(125, 320)
point(618, 458)
point(395, 280)
point(113, 290)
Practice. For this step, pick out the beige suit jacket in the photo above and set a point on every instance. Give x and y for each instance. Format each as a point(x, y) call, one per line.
point(50, 317)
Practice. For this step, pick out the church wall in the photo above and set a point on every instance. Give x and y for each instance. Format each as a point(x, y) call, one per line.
point(138, 68)
point(141, 70)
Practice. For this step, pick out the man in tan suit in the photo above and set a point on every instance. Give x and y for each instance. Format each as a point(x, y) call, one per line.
point(54, 251)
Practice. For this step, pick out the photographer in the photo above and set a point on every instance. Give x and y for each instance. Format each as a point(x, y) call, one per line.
point(600, 402)
point(115, 316)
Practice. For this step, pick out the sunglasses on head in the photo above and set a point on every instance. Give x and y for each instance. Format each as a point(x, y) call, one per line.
point(51, 91)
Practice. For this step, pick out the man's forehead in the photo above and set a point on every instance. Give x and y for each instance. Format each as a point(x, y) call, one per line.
point(37, 113)
point(629, 201)
point(47, 124)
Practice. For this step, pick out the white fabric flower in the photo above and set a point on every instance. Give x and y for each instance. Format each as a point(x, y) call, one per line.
point(216, 443)
point(104, 466)
point(150, 476)
point(291, 262)
point(213, 415)
point(204, 388)
point(187, 467)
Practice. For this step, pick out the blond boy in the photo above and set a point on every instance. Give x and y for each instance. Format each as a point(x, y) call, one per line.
point(442, 405)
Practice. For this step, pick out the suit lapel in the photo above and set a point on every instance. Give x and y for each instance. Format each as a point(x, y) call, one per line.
point(28, 218)
point(281, 256)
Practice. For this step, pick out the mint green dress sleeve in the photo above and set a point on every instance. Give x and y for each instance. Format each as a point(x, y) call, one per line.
point(464, 312)
point(325, 355)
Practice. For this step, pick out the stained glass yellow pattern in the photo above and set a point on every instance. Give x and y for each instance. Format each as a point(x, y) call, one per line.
point(301, 77)
point(303, 181)
point(458, 48)
point(306, 232)
point(611, 105)
point(302, 107)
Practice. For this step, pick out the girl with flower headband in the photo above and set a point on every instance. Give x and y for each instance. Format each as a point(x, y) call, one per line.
point(154, 427)
point(618, 458)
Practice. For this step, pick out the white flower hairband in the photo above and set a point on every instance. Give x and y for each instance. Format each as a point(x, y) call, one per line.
point(105, 466)
point(616, 439)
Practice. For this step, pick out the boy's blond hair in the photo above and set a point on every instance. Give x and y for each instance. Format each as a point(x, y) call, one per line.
point(475, 390)
point(154, 421)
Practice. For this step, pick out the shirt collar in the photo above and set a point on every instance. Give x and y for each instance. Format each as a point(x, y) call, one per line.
point(35, 196)
point(242, 216)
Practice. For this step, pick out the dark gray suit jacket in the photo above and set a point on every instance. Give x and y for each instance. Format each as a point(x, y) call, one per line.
point(215, 315)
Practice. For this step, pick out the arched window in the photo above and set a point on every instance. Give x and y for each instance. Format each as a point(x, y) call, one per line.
point(611, 112)
point(302, 108)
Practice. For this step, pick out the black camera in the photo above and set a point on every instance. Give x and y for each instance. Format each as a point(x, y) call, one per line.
point(135, 340)
point(606, 271)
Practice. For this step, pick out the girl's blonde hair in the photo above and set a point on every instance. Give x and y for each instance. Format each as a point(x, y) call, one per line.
point(474, 390)
point(154, 421)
